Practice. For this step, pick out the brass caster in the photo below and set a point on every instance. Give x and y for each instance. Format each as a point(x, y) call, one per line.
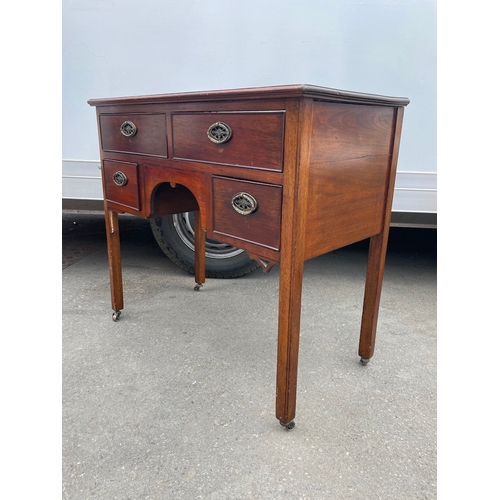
point(364, 361)
point(197, 287)
point(288, 426)
point(116, 315)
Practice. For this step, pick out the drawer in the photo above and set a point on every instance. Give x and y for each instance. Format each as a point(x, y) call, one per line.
point(121, 183)
point(248, 211)
point(250, 139)
point(134, 133)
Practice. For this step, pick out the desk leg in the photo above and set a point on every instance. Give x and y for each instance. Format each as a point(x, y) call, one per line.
point(373, 291)
point(376, 258)
point(114, 262)
point(199, 252)
point(290, 296)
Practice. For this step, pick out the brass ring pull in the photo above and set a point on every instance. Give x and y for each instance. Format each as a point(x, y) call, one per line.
point(244, 203)
point(219, 132)
point(120, 179)
point(128, 128)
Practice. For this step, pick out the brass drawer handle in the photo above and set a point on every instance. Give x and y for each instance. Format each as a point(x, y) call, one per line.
point(219, 132)
point(244, 203)
point(128, 129)
point(120, 179)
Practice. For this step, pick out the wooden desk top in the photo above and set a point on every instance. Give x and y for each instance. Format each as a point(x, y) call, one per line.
point(275, 92)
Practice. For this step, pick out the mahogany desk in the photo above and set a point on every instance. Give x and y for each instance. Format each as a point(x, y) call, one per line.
point(286, 173)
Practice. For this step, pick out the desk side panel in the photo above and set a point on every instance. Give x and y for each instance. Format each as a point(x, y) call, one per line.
point(348, 174)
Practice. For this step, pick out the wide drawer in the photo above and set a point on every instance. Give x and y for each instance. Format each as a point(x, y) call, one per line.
point(248, 211)
point(121, 183)
point(134, 133)
point(249, 139)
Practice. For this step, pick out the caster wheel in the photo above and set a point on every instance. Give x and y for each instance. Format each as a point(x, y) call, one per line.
point(364, 361)
point(197, 287)
point(288, 426)
point(116, 315)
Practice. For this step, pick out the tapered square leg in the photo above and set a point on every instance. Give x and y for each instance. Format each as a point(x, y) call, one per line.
point(114, 261)
point(373, 292)
point(377, 255)
point(290, 295)
point(199, 252)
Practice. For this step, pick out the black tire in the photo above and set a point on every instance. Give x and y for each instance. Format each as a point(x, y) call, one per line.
point(175, 236)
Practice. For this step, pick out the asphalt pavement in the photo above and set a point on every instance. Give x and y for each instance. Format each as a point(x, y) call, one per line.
point(176, 399)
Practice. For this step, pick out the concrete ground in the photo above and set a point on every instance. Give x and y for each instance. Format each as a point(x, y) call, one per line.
point(176, 399)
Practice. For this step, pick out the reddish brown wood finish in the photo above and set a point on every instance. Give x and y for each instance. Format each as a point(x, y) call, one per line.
point(196, 183)
point(261, 227)
point(256, 141)
point(299, 121)
point(128, 195)
point(150, 139)
point(350, 162)
point(167, 200)
point(377, 253)
point(199, 250)
point(114, 258)
point(320, 162)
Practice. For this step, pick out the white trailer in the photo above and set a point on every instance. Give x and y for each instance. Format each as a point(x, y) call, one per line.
point(124, 48)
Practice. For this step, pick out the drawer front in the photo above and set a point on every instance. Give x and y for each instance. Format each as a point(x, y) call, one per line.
point(240, 139)
point(134, 133)
point(232, 197)
point(121, 183)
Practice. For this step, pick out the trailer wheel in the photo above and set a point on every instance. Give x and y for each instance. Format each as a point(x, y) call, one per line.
point(175, 236)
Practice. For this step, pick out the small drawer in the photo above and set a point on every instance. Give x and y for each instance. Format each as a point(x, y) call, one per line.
point(251, 139)
point(134, 133)
point(121, 183)
point(248, 211)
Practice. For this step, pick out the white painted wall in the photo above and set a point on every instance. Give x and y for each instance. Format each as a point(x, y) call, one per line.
point(130, 47)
